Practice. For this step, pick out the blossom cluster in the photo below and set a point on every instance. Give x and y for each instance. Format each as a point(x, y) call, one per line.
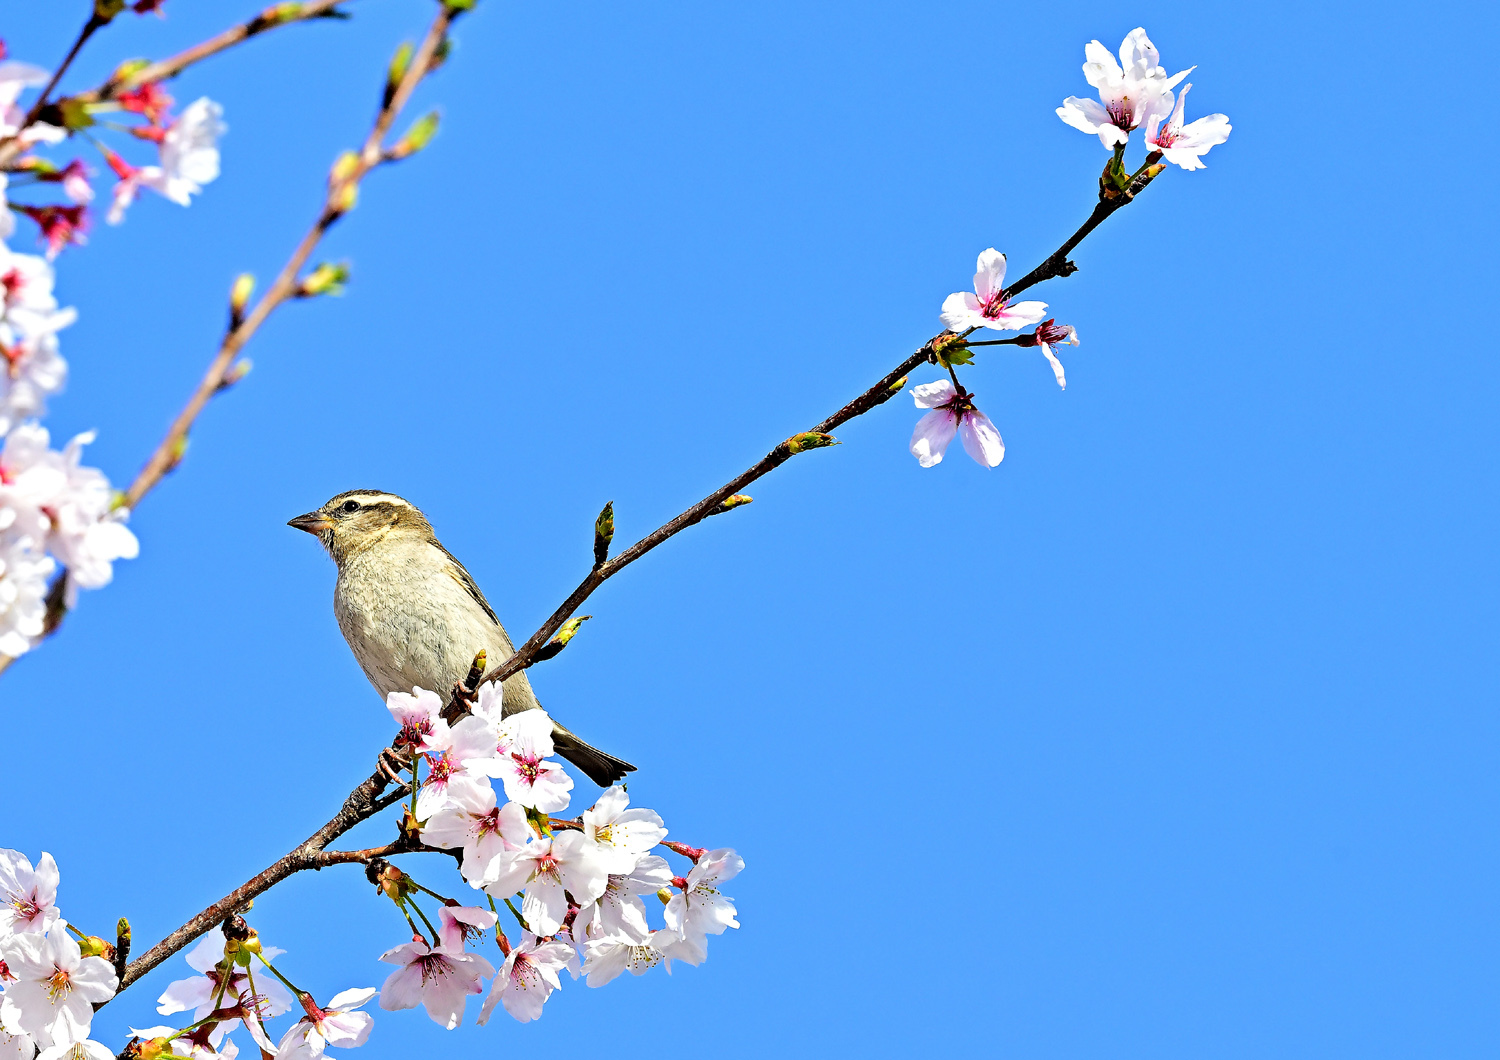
point(1136, 91)
point(50, 980)
point(54, 512)
point(581, 883)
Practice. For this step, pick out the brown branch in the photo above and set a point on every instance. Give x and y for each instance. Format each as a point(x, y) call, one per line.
point(1056, 264)
point(285, 287)
point(363, 802)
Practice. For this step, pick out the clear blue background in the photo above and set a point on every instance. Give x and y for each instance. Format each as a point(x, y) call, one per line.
point(1174, 736)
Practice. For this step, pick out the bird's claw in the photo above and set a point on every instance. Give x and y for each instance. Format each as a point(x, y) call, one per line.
point(391, 764)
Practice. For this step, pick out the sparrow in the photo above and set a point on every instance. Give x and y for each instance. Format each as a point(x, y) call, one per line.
point(414, 617)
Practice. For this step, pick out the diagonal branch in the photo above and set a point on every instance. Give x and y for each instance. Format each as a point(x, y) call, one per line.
point(1056, 264)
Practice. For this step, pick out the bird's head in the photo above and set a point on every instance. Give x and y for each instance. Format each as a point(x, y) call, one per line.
point(359, 520)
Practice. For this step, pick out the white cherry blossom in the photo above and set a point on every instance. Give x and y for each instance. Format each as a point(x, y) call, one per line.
point(88, 1049)
point(619, 913)
point(1047, 335)
point(1131, 91)
point(189, 160)
point(528, 978)
point(266, 996)
point(987, 307)
point(622, 835)
point(26, 282)
point(701, 909)
point(24, 572)
point(31, 369)
point(952, 413)
point(338, 1024)
point(28, 896)
point(1185, 145)
point(55, 988)
point(546, 868)
point(438, 978)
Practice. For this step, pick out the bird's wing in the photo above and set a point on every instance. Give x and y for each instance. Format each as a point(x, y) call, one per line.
point(464, 578)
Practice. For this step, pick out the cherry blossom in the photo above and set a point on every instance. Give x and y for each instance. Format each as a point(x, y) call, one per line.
point(88, 1049)
point(484, 831)
point(15, 1046)
point(55, 988)
point(29, 304)
point(953, 412)
point(619, 912)
point(1131, 91)
point(28, 896)
point(458, 922)
point(1048, 334)
point(454, 762)
point(546, 868)
point(24, 572)
point(418, 713)
point(528, 977)
point(189, 160)
point(31, 369)
point(700, 909)
point(439, 978)
point(621, 835)
point(519, 759)
point(338, 1024)
point(15, 78)
point(192, 1044)
point(60, 225)
point(264, 997)
point(1185, 145)
point(987, 306)
point(605, 959)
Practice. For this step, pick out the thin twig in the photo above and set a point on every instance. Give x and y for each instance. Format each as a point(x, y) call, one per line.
point(169, 452)
point(89, 28)
point(1056, 264)
point(164, 69)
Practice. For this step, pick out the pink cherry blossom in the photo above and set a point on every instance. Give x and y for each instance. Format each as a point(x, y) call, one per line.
point(1185, 145)
point(453, 773)
point(438, 978)
point(528, 978)
point(619, 913)
point(953, 412)
point(418, 712)
point(987, 306)
point(519, 759)
point(484, 831)
point(1048, 334)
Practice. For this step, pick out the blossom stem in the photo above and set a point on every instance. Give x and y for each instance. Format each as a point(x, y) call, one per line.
point(436, 938)
point(427, 890)
point(293, 987)
point(996, 342)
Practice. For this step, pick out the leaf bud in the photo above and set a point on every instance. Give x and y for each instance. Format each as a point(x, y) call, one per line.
point(733, 501)
point(539, 821)
point(327, 278)
point(236, 371)
point(127, 70)
point(799, 443)
point(604, 533)
point(418, 136)
point(106, 10)
point(343, 168)
point(240, 292)
point(400, 63)
point(559, 642)
point(283, 12)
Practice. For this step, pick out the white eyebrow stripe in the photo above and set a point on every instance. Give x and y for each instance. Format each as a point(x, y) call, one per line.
point(377, 498)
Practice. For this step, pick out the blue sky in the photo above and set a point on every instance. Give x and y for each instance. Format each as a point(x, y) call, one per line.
point(1174, 736)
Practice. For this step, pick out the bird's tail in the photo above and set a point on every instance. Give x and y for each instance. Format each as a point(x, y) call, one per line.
point(601, 768)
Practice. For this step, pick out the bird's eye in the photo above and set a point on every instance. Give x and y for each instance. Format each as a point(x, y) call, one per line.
point(350, 506)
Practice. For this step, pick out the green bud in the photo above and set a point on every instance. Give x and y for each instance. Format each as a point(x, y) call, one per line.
point(417, 137)
point(955, 353)
point(604, 533)
point(400, 63)
point(799, 443)
point(665, 895)
point(284, 12)
point(93, 946)
point(240, 292)
point(128, 69)
point(733, 501)
point(327, 278)
point(895, 388)
point(343, 168)
point(106, 10)
point(460, 5)
point(75, 115)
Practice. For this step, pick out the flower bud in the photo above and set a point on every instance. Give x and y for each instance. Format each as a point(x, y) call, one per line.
point(343, 168)
point(94, 946)
point(106, 10)
point(692, 853)
point(236, 371)
point(665, 895)
point(239, 297)
point(155, 1048)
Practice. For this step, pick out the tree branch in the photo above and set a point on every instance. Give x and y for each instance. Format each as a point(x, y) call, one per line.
point(338, 201)
point(1056, 264)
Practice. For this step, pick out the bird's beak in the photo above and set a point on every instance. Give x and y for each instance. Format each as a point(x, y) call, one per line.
point(312, 522)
